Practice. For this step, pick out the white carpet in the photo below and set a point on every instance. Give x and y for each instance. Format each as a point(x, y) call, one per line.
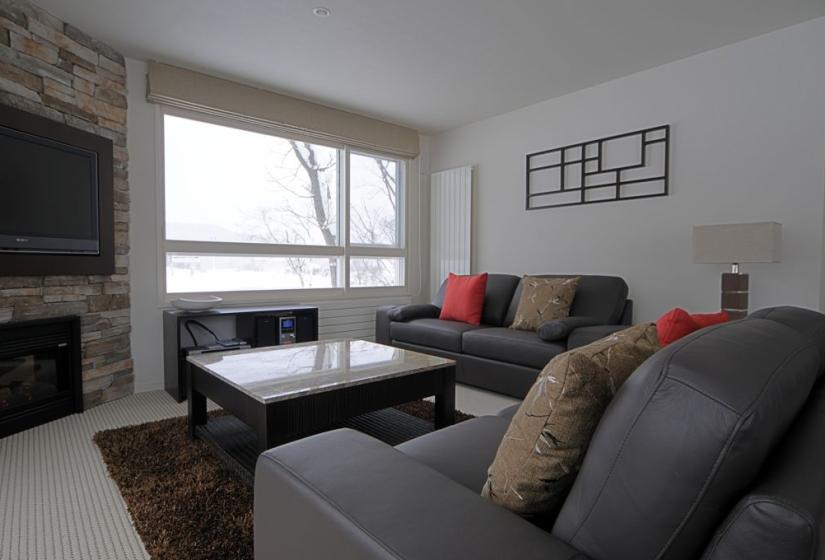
point(58, 503)
point(56, 499)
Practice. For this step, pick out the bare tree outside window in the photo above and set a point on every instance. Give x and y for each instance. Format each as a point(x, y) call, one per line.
point(305, 178)
point(312, 189)
point(374, 218)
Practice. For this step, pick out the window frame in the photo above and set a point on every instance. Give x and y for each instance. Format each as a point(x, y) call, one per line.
point(344, 250)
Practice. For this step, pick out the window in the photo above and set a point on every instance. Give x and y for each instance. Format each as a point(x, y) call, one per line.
point(374, 216)
point(230, 185)
point(238, 273)
point(376, 271)
point(249, 211)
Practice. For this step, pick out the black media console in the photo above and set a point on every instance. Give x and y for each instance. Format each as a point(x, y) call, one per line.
point(251, 327)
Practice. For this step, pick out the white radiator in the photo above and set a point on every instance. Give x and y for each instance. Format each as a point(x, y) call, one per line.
point(352, 318)
point(451, 213)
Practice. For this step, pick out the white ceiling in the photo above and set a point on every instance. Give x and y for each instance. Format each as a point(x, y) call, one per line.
point(429, 64)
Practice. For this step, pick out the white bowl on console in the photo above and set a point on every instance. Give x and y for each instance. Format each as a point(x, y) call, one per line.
point(197, 304)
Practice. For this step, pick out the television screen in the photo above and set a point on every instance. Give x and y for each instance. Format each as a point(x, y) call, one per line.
point(50, 195)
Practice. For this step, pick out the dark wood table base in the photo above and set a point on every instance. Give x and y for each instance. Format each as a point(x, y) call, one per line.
point(282, 421)
point(236, 444)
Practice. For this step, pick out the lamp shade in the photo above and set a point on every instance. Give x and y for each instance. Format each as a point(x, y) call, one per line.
point(759, 242)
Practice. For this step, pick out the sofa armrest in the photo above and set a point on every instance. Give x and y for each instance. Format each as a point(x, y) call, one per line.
point(627, 313)
point(585, 335)
point(559, 329)
point(386, 314)
point(345, 495)
point(413, 311)
point(382, 324)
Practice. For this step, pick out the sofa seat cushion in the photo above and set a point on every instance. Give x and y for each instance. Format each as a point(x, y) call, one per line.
point(461, 452)
point(512, 346)
point(509, 411)
point(434, 333)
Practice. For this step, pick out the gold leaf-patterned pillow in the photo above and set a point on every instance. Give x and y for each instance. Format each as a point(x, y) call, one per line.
point(542, 450)
point(542, 300)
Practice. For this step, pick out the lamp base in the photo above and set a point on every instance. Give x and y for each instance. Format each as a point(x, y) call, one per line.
point(735, 294)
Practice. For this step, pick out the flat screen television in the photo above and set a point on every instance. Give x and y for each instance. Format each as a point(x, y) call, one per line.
point(50, 195)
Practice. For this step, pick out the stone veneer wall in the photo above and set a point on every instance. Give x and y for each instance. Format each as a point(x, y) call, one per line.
point(52, 69)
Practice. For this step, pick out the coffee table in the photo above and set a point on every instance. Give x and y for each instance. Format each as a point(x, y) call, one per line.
point(282, 393)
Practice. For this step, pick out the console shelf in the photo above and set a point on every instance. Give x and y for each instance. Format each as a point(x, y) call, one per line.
point(258, 326)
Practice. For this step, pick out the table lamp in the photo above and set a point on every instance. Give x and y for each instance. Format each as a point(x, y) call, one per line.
point(734, 244)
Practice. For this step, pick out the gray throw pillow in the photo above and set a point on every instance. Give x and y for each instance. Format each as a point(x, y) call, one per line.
point(560, 329)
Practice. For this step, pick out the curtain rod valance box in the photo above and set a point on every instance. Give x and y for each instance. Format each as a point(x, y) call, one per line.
point(178, 87)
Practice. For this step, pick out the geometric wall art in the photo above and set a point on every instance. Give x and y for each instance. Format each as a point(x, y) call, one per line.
point(620, 167)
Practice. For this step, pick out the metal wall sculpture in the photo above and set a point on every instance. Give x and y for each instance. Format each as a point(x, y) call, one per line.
point(620, 167)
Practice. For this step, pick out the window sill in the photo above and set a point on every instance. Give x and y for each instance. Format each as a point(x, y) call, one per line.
point(292, 296)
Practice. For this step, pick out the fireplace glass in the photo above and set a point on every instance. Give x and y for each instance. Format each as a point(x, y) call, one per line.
point(40, 372)
point(31, 378)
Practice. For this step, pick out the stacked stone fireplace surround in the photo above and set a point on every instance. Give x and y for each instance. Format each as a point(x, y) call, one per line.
point(51, 69)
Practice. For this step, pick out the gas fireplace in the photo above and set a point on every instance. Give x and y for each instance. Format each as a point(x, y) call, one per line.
point(39, 372)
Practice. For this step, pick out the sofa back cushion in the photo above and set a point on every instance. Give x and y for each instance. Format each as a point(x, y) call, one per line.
point(683, 439)
point(497, 297)
point(600, 297)
point(783, 515)
point(541, 452)
point(806, 322)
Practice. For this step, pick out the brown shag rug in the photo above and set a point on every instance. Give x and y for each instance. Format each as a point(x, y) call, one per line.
point(184, 501)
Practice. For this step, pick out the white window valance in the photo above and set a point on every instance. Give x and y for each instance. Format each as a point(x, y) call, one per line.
point(187, 89)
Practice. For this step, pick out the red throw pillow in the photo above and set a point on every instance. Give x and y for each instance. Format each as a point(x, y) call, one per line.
point(708, 319)
point(677, 323)
point(464, 299)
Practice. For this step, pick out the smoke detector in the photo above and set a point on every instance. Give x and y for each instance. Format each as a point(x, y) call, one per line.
point(321, 11)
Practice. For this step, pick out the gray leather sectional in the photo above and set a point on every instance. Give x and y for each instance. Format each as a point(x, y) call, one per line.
point(712, 449)
point(491, 355)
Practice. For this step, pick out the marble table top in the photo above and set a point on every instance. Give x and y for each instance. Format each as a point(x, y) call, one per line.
point(276, 373)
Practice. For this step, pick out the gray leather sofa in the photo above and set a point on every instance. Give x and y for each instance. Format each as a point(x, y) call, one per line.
point(491, 355)
point(712, 449)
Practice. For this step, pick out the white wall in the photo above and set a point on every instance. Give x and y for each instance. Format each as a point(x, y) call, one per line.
point(352, 317)
point(748, 138)
point(147, 335)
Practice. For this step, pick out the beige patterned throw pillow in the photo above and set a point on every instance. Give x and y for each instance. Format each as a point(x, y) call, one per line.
point(543, 299)
point(541, 453)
